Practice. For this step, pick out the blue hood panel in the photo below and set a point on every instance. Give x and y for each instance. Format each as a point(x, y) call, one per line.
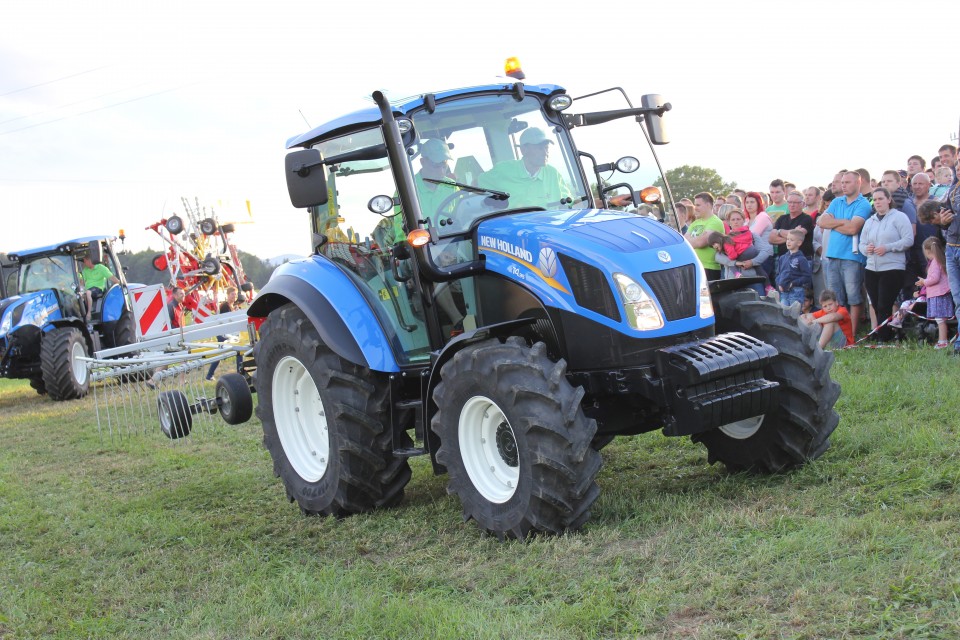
point(528, 247)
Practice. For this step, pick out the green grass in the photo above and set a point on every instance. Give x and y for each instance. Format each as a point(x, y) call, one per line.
point(139, 537)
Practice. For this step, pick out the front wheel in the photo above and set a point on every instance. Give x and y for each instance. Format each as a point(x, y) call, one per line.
point(64, 374)
point(799, 429)
point(514, 440)
point(325, 421)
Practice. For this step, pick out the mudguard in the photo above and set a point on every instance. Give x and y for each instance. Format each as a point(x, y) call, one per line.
point(113, 304)
point(332, 302)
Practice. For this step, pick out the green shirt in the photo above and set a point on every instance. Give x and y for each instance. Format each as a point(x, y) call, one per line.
point(96, 277)
point(707, 255)
point(546, 189)
point(777, 210)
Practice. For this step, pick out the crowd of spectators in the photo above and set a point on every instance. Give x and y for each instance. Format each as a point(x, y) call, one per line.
point(858, 249)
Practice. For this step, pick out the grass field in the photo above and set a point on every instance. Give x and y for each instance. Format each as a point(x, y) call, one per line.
point(140, 537)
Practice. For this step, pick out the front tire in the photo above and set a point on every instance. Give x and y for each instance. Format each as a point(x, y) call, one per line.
point(65, 376)
point(799, 429)
point(514, 440)
point(325, 421)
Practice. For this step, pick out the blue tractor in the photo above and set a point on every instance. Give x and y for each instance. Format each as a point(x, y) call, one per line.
point(474, 297)
point(43, 327)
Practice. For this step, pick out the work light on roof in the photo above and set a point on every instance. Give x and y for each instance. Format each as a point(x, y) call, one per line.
point(560, 102)
point(405, 125)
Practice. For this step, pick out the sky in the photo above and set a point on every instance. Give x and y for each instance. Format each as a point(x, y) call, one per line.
point(112, 112)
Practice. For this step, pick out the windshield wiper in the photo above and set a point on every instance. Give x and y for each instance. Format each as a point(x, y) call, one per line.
point(497, 195)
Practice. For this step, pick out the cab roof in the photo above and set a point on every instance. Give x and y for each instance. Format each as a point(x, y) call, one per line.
point(370, 116)
point(60, 247)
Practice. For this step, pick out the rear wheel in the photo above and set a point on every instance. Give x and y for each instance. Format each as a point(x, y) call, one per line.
point(514, 440)
point(208, 226)
point(325, 421)
point(64, 374)
point(798, 430)
point(36, 383)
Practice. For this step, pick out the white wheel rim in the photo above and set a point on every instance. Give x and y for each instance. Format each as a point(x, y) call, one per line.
point(78, 366)
point(743, 429)
point(224, 398)
point(166, 420)
point(300, 419)
point(488, 447)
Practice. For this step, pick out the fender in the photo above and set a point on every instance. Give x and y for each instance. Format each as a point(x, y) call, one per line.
point(113, 304)
point(328, 297)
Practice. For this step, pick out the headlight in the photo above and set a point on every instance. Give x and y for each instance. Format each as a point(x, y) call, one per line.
point(7, 323)
point(640, 307)
point(706, 303)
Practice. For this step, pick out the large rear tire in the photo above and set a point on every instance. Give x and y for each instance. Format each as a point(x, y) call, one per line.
point(36, 383)
point(799, 429)
point(514, 440)
point(64, 374)
point(325, 421)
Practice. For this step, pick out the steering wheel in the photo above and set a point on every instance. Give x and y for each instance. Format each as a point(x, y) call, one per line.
point(448, 214)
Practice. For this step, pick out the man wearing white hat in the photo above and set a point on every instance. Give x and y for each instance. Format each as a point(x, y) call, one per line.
point(530, 181)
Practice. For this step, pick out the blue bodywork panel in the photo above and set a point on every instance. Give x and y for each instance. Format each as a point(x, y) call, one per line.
point(345, 320)
point(113, 304)
point(371, 116)
point(524, 248)
point(37, 309)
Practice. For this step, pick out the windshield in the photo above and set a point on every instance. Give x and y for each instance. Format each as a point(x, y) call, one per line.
point(505, 149)
point(48, 272)
point(613, 140)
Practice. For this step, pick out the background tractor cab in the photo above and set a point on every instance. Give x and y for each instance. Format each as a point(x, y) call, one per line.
point(42, 326)
point(468, 286)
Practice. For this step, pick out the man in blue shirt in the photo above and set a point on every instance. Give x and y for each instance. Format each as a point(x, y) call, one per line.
point(844, 218)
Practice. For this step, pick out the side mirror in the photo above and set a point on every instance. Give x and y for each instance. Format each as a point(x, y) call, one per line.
point(306, 178)
point(655, 126)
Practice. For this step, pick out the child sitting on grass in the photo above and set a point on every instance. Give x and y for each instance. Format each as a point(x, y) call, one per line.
point(836, 329)
point(794, 275)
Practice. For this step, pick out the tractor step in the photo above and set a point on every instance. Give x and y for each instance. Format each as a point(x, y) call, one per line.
point(409, 452)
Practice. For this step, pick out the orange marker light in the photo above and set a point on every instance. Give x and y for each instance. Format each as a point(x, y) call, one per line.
point(512, 68)
point(650, 195)
point(418, 238)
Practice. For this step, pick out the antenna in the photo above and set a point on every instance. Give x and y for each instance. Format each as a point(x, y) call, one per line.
point(304, 118)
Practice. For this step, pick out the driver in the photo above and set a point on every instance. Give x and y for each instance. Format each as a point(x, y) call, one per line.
point(530, 181)
point(95, 278)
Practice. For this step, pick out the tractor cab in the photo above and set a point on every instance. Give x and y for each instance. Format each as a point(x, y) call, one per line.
point(400, 197)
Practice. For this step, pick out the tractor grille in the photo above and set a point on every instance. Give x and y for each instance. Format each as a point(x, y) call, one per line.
point(590, 287)
point(676, 290)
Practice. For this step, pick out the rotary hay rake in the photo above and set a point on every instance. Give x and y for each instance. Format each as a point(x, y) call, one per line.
point(162, 381)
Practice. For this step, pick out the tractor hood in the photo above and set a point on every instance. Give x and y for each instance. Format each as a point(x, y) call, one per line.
point(570, 258)
point(28, 309)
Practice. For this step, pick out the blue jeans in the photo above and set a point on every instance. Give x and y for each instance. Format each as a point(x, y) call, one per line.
point(953, 274)
point(845, 277)
point(797, 294)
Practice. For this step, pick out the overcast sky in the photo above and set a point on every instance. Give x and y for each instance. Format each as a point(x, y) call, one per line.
point(111, 112)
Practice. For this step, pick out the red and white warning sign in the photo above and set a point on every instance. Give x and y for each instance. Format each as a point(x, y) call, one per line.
point(150, 311)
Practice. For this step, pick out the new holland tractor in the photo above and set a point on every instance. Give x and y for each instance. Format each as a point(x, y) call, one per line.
point(43, 328)
point(473, 297)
